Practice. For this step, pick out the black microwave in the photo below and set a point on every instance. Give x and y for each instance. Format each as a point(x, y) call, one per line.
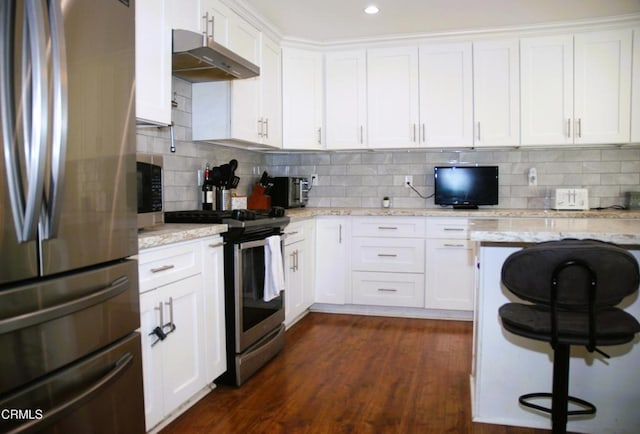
point(149, 184)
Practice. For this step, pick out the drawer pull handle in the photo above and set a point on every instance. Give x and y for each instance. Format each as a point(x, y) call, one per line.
point(387, 255)
point(388, 227)
point(454, 229)
point(453, 245)
point(387, 290)
point(163, 268)
point(291, 233)
point(213, 246)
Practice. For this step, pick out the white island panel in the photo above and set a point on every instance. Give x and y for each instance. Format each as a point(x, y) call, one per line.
point(507, 366)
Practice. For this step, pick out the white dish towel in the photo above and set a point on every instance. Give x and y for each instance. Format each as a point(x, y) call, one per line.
point(273, 268)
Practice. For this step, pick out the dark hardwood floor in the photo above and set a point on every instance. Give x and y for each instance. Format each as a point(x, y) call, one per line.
point(353, 374)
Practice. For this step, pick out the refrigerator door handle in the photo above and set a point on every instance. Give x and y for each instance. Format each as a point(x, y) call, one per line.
point(34, 118)
point(59, 127)
point(59, 411)
point(47, 314)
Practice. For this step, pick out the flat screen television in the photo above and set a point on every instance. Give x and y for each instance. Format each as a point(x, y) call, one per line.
point(466, 186)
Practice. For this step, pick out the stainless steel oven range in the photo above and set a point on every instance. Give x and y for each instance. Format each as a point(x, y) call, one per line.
point(254, 327)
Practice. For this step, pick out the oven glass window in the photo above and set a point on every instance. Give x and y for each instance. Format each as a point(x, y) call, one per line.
point(255, 309)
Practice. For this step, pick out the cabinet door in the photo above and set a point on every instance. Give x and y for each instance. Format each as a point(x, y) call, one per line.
point(183, 351)
point(496, 93)
point(271, 93)
point(183, 14)
point(602, 86)
point(214, 319)
point(546, 68)
point(392, 97)
point(218, 16)
point(332, 260)
point(635, 104)
point(450, 274)
point(294, 296)
point(446, 100)
point(152, 372)
point(346, 99)
point(301, 99)
point(153, 62)
point(243, 39)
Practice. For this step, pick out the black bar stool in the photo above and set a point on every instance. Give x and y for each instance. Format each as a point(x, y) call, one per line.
point(573, 286)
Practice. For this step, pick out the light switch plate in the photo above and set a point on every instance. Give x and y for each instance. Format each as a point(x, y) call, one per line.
point(570, 199)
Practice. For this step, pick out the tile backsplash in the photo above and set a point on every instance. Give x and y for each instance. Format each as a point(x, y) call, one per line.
point(362, 178)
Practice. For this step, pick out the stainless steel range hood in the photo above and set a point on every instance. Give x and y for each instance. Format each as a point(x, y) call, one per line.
point(196, 61)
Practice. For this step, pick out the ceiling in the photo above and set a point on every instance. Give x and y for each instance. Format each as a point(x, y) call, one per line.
point(337, 20)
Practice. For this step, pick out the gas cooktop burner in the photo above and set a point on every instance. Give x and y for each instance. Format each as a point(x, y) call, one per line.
point(239, 218)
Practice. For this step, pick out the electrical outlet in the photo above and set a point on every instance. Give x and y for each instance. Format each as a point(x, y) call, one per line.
point(314, 179)
point(533, 177)
point(408, 180)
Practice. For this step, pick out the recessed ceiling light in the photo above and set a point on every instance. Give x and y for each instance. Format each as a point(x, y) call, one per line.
point(372, 10)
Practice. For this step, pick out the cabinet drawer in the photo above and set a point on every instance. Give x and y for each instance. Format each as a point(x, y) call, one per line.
point(385, 254)
point(163, 265)
point(403, 227)
point(456, 227)
point(294, 232)
point(388, 289)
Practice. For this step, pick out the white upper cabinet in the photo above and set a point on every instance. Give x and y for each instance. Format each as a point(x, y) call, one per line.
point(392, 97)
point(496, 93)
point(346, 99)
point(217, 17)
point(302, 99)
point(446, 100)
point(576, 90)
point(546, 71)
point(635, 104)
point(270, 119)
point(244, 39)
point(247, 110)
point(183, 14)
point(153, 64)
point(256, 113)
point(602, 83)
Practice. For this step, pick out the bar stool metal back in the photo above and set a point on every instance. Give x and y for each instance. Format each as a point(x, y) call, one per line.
point(573, 287)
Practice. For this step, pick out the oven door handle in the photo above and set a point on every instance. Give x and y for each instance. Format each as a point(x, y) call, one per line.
point(259, 243)
point(253, 244)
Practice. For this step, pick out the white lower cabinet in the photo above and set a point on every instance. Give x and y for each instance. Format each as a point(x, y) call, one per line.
point(298, 265)
point(449, 274)
point(182, 324)
point(387, 261)
point(450, 265)
point(388, 289)
point(332, 283)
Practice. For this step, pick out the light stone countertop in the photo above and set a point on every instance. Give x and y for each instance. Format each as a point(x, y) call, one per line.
point(488, 224)
point(534, 230)
point(170, 233)
point(303, 213)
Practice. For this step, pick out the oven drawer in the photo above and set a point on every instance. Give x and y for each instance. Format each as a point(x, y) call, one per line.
point(384, 254)
point(402, 227)
point(388, 289)
point(164, 265)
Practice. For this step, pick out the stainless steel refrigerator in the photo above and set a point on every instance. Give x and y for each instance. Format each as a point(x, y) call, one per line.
point(69, 309)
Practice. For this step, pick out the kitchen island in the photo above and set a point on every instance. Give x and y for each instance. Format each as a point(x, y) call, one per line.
point(506, 366)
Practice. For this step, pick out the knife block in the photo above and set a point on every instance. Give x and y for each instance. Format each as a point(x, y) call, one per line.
point(259, 200)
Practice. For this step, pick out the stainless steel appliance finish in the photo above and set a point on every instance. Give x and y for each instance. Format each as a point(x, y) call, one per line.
point(149, 184)
point(68, 294)
point(290, 191)
point(255, 330)
point(197, 58)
